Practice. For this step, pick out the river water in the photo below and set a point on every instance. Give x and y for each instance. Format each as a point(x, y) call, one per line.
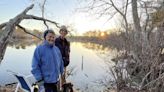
point(88, 63)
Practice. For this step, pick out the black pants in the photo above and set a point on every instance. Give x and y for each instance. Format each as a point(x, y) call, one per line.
point(50, 87)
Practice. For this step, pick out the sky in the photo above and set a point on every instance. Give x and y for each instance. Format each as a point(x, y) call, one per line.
point(62, 11)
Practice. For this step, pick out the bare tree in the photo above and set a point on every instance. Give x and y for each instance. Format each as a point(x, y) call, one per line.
point(142, 49)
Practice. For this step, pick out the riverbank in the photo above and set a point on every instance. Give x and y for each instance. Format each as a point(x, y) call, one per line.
point(9, 88)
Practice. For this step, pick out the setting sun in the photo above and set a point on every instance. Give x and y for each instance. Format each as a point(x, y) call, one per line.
point(102, 34)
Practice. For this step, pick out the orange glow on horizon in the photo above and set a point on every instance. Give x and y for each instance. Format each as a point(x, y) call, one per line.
point(102, 34)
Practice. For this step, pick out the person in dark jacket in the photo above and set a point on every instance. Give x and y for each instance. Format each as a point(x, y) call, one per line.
point(47, 63)
point(64, 45)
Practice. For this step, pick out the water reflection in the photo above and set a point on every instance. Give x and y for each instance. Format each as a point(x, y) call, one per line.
point(106, 53)
point(103, 51)
point(23, 43)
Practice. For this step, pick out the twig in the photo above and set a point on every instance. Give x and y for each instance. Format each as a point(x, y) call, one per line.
point(40, 18)
point(143, 80)
point(24, 29)
point(160, 77)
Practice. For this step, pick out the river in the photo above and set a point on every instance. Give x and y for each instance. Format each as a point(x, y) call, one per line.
point(88, 63)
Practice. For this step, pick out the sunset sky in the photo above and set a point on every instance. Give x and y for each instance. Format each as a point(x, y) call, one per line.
point(62, 11)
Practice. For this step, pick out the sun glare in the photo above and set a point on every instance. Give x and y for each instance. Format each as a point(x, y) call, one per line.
point(102, 34)
point(83, 23)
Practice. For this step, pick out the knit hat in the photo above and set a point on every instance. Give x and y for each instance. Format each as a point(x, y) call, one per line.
point(48, 31)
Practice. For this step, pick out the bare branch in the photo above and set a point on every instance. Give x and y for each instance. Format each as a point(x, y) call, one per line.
point(153, 81)
point(121, 13)
point(27, 9)
point(144, 78)
point(43, 9)
point(97, 6)
point(116, 8)
point(104, 12)
point(40, 18)
point(24, 29)
point(126, 7)
point(111, 16)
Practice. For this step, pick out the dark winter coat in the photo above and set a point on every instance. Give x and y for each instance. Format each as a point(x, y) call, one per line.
point(64, 47)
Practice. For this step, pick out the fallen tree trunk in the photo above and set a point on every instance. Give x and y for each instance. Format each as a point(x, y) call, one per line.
point(7, 28)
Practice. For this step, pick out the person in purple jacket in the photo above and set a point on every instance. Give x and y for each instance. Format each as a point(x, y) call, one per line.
point(47, 62)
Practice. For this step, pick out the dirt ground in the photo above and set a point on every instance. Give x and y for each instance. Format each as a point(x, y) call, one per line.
point(10, 88)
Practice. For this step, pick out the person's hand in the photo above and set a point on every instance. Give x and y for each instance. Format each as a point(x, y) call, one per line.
point(35, 88)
